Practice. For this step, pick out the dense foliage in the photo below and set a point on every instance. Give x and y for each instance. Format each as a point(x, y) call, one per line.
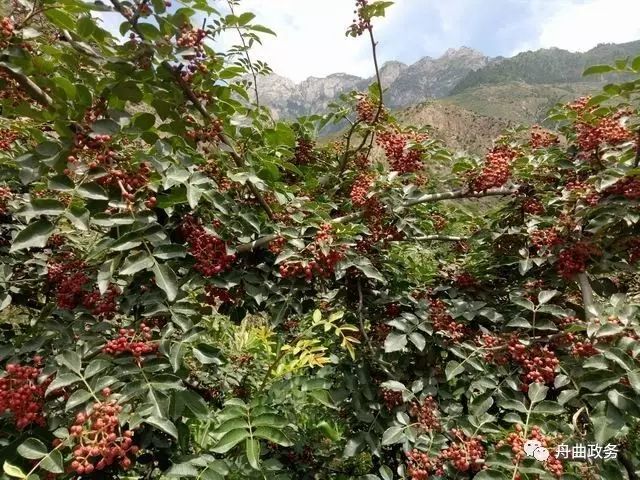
point(190, 289)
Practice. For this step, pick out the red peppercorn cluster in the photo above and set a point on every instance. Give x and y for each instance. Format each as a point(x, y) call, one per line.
point(367, 110)
point(102, 306)
point(608, 131)
point(443, 322)
point(580, 105)
point(633, 249)
point(392, 310)
point(5, 195)
point(582, 348)
point(209, 134)
point(545, 238)
point(277, 245)
point(532, 206)
point(573, 260)
point(426, 414)
point(209, 250)
point(362, 161)
point(402, 157)
point(439, 222)
point(541, 138)
point(515, 440)
point(628, 187)
point(12, 91)
point(538, 363)
point(7, 29)
point(190, 37)
point(465, 280)
point(212, 170)
point(303, 153)
point(496, 171)
point(466, 454)
point(380, 332)
point(22, 396)
point(391, 398)
point(7, 137)
point(218, 296)
point(325, 257)
point(68, 278)
point(100, 441)
point(495, 348)
point(362, 22)
point(420, 465)
point(137, 343)
point(360, 190)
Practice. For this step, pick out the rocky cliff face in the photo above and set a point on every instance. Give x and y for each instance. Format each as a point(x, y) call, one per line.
point(405, 84)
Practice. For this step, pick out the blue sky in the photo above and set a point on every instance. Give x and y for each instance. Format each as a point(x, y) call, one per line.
point(311, 39)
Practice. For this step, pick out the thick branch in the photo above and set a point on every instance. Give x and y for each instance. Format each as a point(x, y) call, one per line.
point(28, 85)
point(259, 243)
point(441, 238)
point(587, 295)
point(436, 197)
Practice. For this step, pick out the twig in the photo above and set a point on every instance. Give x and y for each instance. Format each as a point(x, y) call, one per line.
point(246, 52)
point(363, 332)
point(587, 295)
point(429, 238)
point(627, 464)
point(636, 163)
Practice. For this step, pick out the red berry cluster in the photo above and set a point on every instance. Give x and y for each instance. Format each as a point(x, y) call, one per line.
point(392, 310)
point(137, 343)
point(538, 363)
point(209, 250)
point(439, 221)
point(210, 134)
point(545, 238)
point(580, 105)
point(608, 130)
point(633, 249)
point(362, 161)
point(532, 206)
point(7, 137)
point(99, 439)
point(97, 111)
point(573, 260)
point(362, 22)
point(443, 322)
point(426, 414)
point(496, 170)
point(12, 91)
point(7, 29)
point(325, 258)
point(277, 245)
point(102, 306)
point(402, 157)
point(68, 278)
point(465, 280)
point(217, 295)
point(515, 440)
point(420, 465)
point(628, 187)
point(495, 348)
point(360, 190)
point(190, 37)
point(5, 195)
point(582, 348)
point(466, 454)
point(541, 138)
point(366, 110)
point(212, 170)
point(21, 395)
point(391, 398)
point(303, 153)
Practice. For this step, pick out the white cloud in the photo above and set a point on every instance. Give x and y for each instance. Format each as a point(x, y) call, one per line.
point(581, 25)
point(311, 38)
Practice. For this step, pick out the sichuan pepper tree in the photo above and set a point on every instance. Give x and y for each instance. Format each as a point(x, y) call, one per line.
point(191, 289)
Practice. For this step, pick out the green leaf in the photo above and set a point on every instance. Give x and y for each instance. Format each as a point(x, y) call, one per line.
point(13, 471)
point(181, 470)
point(394, 342)
point(252, 448)
point(71, 360)
point(230, 440)
point(92, 191)
point(34, 235)
point(453, 369)
point(96, 366)
point(167, 252)
point(163, 424)
point(393, 435)
point(166, 280)
point(547, 407)
point(596, 69)
point(105, 126)
point(61, 18)
point(77, 398)
point(193, 402)
point(269, 420)
point(129, 91)
point(62, 381)
point(53, 462)
point(546, 295)
point(33, 449)
point(273, 435)
point(136, 262)
point(537, 392)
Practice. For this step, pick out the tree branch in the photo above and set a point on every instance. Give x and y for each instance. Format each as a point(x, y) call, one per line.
point(429, 238)
point(246, 52)
point(28, 85)
point(587, 295)
point(436, 197)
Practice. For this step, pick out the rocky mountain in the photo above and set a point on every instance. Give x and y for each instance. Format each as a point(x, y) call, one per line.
point(520, 88)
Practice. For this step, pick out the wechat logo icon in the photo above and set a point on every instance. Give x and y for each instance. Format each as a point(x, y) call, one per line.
point(533, 448)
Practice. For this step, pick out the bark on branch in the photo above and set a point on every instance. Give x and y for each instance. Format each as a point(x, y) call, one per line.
point(587, 295)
